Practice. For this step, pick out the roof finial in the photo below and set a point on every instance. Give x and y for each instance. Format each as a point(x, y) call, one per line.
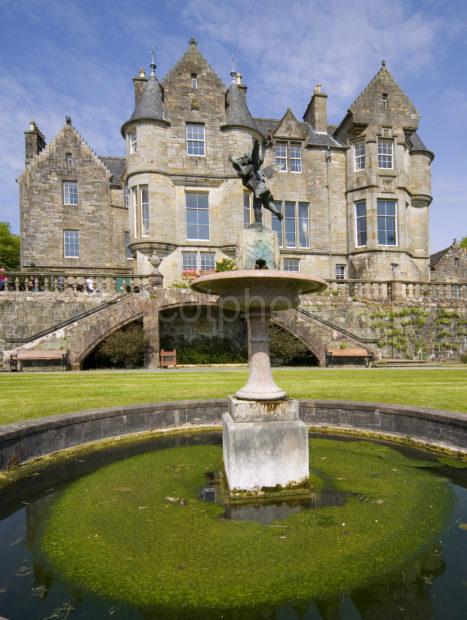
point(383, 63)
point(193, 41)
point(68, 120)
point(233, 71)
point(153, 63)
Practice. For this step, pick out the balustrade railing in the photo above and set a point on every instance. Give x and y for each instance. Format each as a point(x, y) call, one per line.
point(30, 282)
point(348, 290)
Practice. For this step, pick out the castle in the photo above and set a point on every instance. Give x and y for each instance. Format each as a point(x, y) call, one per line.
point(354, 196)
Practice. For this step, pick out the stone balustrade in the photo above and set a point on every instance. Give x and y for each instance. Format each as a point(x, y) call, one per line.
point(40, 282)
point(396, 290)
point(354, 290)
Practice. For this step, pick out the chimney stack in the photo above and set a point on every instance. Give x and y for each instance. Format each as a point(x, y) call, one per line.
point(139, 81)
point(316, 113)
point(34, 142)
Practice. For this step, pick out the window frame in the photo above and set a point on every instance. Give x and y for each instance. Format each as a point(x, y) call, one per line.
point(359, 157)
point(246, 209)
point(340, 274)
point(194, 81)
point(78, 245)
point(379, 202)
point(145, 210)
point(295, 145)
point(189, 268)
point(381, 155)
point(191, 140)
point(187, 209)
point(132, 141)
point(66, 195)
point(211, 268)
point(357, 218)
point(287, 260)
point(126, 241)
point(284, 167)
point(280, 227)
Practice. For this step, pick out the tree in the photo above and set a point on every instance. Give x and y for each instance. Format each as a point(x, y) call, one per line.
point(124, 348)
point(463, 243)
point(9, 247)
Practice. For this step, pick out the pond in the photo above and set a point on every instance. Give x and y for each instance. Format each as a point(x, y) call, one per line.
point(142, 531)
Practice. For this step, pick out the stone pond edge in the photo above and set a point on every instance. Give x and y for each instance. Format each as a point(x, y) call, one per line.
point(31, 439)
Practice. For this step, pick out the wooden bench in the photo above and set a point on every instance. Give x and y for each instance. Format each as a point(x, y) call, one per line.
point(339, 357)
point(39, 359)
point(168, 359)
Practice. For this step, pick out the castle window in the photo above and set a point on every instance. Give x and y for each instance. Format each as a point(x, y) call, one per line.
point(277, 224)
point(128, 253)
point(295, 153)
point(360, 223)
point(144, 211)
point(303, 224)
point(68, 160)
point(126, 194)
point(359, 155)
point(456, 291)
point(132, 141)
point(134, 204)
point(385, 100)
point(71, 243)
point(194, 81)
point(197, 216)
point(70, 193)
point(387, 224)
point(281, 156)
point(385, 154)
point(340, 272)
point(290, 225)
point(208, 264)
point(456, 262)
point(189, 262)
point(195, 139)
point(291, 264)
point(246, 210)
point(295, 225)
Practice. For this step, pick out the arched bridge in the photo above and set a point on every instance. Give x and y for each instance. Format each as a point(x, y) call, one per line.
point(83, 335)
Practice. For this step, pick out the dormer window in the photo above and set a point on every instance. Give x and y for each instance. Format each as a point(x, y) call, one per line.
point(195, 139)
point(385, 154)
point(68, 160)
point(194, 81)
point(385, 100)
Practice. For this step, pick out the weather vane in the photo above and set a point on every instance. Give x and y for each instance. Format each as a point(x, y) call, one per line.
point(153, 58)
point(233, 72)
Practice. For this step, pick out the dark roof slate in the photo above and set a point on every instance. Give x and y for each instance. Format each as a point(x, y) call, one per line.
point(416, 144)
point(116, 166)
point(236, 111)
point(150, 106)
point(268, 125)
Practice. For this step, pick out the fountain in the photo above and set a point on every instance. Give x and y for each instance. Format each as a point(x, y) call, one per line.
point(265, 444)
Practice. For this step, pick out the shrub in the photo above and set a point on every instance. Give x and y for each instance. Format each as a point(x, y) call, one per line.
point(226, 264)
point(204, 350)
point(124, 348)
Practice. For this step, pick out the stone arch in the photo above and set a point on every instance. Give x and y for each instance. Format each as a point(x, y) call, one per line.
point(308, 334)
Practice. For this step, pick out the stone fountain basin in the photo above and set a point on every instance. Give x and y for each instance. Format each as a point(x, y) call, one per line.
point(258, 289)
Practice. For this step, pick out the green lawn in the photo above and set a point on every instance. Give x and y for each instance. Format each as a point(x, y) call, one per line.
point(25, 396)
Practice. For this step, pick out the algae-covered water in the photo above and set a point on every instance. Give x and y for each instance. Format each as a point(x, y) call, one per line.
point(124, 533)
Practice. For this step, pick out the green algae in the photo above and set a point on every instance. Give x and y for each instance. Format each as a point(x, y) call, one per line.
point(116, 533)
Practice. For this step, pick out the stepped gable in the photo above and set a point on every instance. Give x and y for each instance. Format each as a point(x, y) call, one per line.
point(192, 61)
point(237, 113)
point(370, 106)
point(116, 167)
point(66, 132)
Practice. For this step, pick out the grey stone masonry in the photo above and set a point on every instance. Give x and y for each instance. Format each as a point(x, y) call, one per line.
point(177, 147)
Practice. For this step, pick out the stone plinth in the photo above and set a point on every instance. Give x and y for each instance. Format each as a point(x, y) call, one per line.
point(265, 447)
point(257, 243)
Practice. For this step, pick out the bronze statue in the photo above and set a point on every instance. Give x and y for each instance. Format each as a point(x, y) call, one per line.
point(249, 170)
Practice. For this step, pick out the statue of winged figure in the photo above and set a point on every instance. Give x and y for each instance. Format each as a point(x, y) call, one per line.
point(248, 168)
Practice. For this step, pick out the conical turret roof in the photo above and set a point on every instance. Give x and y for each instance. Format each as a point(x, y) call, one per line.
point(237, 113)
point(150, 105)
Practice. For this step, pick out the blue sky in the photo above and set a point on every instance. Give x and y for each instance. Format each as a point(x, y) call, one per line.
point(77, 57)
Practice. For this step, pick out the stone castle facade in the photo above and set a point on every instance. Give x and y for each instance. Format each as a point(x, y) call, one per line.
point(355, 197)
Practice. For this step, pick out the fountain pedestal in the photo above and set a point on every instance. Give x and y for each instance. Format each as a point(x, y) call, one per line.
point(265, 447)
